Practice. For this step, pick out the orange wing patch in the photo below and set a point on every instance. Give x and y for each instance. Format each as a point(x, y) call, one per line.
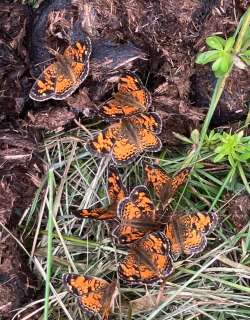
point(95, 295)
point(131, 98)
point(137, 216)
point(116, 192)
point(126, 139)
point(148, 261)
point(60, 79)
point(164, 186)
point(187, 232)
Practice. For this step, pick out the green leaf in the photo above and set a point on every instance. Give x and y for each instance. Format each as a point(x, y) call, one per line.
point(245, 53)
point(183, 138)
point(224, 66)
point(216, 64)
point(231, 161)
point(246, 36)
point(208, 56)
point(221, 65)
point(229, 43)
point(219, 157)
point(246, 60)
point(219, 149)
point(245, 57)
point(244, 156)
point(215, 42)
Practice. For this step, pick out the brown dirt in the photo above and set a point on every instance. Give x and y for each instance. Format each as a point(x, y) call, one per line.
point(239, 211)
point(158, 39)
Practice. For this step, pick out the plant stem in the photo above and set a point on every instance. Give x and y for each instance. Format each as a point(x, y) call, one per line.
point(228, 177)
point(243, 177)
point(220, 84)
point(50, 238)
point(242, 32)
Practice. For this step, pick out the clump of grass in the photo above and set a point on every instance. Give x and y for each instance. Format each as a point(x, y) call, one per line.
point(213, 284)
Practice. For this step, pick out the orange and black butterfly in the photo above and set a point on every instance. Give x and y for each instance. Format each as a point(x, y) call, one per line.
point(116, 193)
point(148, 261)
point(137, 215)
point(95, 295)
point(131, 98)
point(187, 232)
point(62, 77)
point(127, 138)
point(163, 185)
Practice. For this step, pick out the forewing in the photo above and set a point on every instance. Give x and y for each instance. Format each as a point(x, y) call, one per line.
point(97, 213)
point(79, 51)
point(79, 54)
point(44, 87)
point(116, 189)
point(102, 144)
point(125, 149)
point(150, 121)
point(158, 179)
point(179, 179)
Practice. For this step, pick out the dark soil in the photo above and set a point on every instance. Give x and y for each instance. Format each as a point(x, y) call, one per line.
point(157, 39)
point(239, 211)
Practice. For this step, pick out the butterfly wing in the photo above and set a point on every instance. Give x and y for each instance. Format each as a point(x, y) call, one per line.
point(116, 192)
point(187, 232)
point(60, 79)
point(179, 179)
point(44, 87)
point(137, 216)
point(102, 144)
point(89, 290)
point(116, 189)
point(149, 260)
point(131, 98)
point(79, 54)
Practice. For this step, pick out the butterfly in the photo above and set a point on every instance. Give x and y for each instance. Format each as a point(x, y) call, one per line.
point(148, 261)
point(116, 192)
point(95, 295)
point(61, 78)
point(131, 98)
point(137, 215)
point(187, 232)
point(164, 186)
point(126, 139)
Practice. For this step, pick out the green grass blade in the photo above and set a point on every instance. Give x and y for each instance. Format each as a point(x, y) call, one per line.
point(49, 246)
